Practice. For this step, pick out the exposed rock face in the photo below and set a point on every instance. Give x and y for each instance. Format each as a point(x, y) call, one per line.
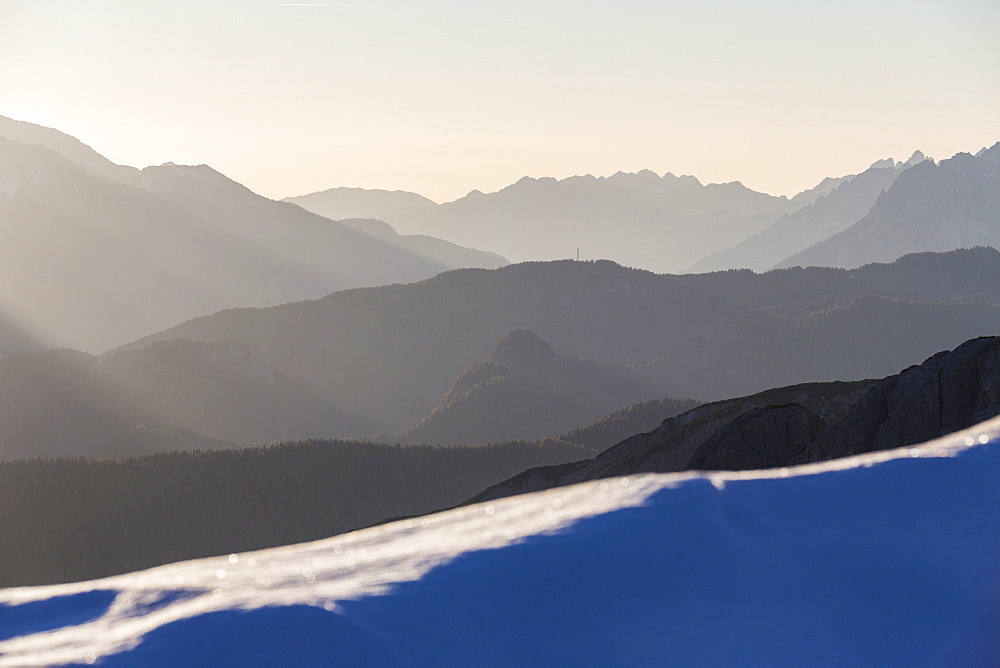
point(950, 391)
point(762, 438)
point(800, 424)
point(671, 446)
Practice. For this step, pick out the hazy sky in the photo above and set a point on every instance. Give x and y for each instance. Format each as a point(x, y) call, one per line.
point(443, 96)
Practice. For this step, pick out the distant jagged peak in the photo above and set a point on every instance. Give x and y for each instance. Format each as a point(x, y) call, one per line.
point(648, 179)
point(520, 348)
point(886, 163)
point(641, 175)
point(644, 179)
point(684, 179)
point(581, 179)
point(991, 153)
point(533, 181)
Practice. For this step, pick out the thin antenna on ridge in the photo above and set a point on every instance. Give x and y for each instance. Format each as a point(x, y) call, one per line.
point(577, 253)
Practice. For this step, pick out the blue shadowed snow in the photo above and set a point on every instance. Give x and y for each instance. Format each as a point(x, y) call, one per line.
point(53, 613)
point(295, 634)
point(892, 561)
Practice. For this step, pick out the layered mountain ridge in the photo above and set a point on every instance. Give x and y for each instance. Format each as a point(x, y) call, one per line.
point(702, 336)
point(831, 213)
point(930, 207)
point(685, 225)
point(951, 391)
point(91, 259)
point(546, 218)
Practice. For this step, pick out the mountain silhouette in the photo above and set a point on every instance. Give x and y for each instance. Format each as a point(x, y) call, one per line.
point(640, 219)
point(89, 261)
point(69, 148)
point(341, 203)
point(524, 391)
point(171, 395)
point(930, 207)
point(391, 353)
point(815, 222)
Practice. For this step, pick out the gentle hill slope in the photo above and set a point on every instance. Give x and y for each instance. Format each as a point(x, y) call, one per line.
point(340, 203)
point(66, 403)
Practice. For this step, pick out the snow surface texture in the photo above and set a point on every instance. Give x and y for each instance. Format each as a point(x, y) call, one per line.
point(891, 558)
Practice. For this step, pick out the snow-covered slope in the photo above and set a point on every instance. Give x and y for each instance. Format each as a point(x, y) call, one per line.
point(891, 558)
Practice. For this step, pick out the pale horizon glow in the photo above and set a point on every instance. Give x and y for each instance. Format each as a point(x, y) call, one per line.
point(442, 97)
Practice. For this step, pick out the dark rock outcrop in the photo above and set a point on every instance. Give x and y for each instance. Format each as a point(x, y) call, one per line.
point(762, 438)
point(671, 446)
point(950, 391)
point(800, 424)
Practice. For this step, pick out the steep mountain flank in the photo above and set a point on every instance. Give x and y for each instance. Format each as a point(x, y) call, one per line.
point(815, 222)
point(89, 260)
point(954, 204)
point(68, 147)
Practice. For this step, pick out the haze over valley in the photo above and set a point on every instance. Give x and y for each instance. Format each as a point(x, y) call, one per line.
point(494, 334)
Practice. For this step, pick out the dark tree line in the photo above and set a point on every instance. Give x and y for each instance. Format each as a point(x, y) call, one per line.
point(63, 520)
